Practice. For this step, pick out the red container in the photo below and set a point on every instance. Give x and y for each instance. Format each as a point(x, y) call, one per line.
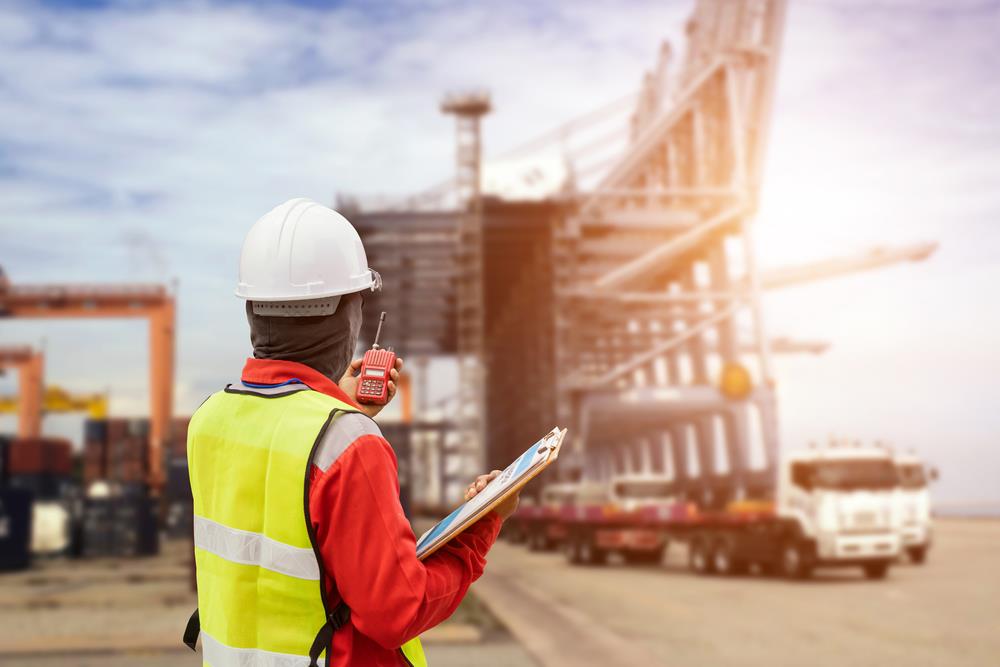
point(39, 455)
point(117, 429)
point(178, 437)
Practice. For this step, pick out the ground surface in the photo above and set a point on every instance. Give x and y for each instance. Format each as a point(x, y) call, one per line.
point(126, 613)
point(946, 612)
point(123, 613)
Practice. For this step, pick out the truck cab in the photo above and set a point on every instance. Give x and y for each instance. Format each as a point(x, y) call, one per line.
point(914, 506)
point(841, 504)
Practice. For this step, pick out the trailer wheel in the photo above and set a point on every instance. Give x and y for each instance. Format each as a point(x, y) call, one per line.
point(917, 555)
point(795, 561)
point(590, 553)
point(538, 540)
point(724, 559)
point(654, 557)
point(876, 570)
point(514, 532)
point(699, 556)
point(572, 548)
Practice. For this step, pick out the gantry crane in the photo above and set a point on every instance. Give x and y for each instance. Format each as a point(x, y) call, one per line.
point(30, 365)
point(151, 302)
point(618, 304)
point(58, 400)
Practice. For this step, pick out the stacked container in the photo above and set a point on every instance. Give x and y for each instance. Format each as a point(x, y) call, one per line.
point(95, 450)
point(178, 489)
point(15, 517)
point(119, 515)
point(128, 450)
point(120, 523)
point(43, 466)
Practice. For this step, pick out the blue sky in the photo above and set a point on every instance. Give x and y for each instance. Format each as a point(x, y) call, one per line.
point(138, 141)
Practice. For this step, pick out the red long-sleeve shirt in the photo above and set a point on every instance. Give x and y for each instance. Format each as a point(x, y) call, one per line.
point(367, 546)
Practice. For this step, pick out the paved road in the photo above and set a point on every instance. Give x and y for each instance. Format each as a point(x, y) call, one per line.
point(946, 612)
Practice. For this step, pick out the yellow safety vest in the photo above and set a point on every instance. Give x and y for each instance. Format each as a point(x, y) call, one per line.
point(260, 595)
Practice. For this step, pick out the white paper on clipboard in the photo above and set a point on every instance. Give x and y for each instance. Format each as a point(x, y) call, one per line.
point(535, 459)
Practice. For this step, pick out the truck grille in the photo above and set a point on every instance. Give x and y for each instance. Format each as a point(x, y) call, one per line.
point(863, 523)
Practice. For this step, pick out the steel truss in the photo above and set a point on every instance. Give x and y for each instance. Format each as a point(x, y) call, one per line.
point(653, 310)
point(611, 311)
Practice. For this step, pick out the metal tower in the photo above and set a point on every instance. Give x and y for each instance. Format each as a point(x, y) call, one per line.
point(467, 449)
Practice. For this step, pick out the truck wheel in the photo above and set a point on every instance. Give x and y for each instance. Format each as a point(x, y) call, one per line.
point(876, 570)
point(795, 562)
point(724, 558)
point(699, 556)
point(917, 555)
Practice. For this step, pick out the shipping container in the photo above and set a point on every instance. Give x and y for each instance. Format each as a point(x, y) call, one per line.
point(178, 437)
point(4, 449)
point(15, 528)
point(120, 526)
point(43, 485)
point(40, 455)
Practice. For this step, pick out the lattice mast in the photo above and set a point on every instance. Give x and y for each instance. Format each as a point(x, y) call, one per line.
point(468, 452)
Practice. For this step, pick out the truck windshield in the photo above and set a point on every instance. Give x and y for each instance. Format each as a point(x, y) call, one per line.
point(642, 489)
point(911, 476)
point(846, 475)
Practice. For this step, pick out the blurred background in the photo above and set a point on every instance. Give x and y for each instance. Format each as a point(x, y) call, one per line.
point(743, 249)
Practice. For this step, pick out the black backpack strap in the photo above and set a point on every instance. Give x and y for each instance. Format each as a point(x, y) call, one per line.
point(336, 620)
point(192, 630)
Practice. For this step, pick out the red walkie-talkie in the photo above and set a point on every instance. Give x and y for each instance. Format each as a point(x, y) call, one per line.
point(373, 383)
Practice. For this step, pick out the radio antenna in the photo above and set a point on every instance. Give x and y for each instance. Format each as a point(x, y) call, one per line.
point(378, 332)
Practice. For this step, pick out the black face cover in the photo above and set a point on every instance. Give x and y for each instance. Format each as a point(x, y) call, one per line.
point(325, 343)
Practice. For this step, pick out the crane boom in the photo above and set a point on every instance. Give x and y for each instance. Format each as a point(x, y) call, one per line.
point(874, 258)
point(58, 400)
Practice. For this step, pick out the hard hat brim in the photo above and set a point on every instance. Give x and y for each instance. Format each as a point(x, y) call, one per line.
point(371, 281)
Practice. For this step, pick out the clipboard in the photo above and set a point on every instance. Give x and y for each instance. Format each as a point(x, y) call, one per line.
point(526, 467)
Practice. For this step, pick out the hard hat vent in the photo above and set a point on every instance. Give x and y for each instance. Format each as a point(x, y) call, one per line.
point(301, 308)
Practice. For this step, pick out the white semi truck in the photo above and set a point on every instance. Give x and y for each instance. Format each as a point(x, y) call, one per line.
point(833, 507)
point(914, 506)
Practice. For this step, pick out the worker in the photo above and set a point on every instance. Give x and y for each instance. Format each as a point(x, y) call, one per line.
point(301, 545)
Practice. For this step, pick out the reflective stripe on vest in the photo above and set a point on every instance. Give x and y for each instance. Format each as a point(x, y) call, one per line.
point(220, 655)
point(260, 599)
point(241, 546)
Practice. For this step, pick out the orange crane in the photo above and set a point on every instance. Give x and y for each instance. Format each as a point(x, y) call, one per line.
point(30, 365)
point(152, 302)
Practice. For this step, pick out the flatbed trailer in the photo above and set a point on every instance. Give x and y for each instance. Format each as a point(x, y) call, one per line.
point(727, 542)
point(537, 526)
point(595, 531)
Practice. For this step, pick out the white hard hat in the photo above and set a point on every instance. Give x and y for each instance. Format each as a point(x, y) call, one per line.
point(299, 258)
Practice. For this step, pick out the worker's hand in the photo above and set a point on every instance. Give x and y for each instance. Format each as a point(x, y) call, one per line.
point(350, 379)
point(504, 509)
